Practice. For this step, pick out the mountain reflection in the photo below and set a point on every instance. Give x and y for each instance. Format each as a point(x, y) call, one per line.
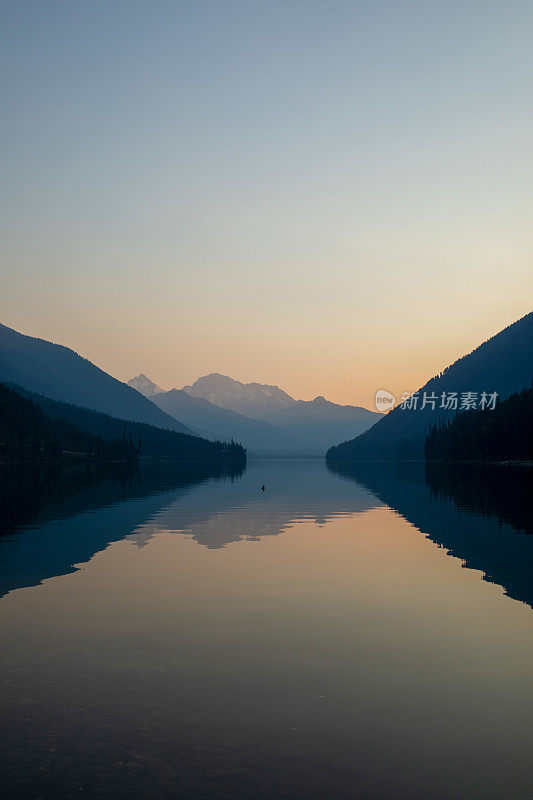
point(295, 490)
point(52, 520)
point(479, 513)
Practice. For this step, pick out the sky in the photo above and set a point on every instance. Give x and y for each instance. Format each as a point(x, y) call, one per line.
point(334, 197)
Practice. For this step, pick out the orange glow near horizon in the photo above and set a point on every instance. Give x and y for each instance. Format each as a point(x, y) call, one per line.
point(347, 370)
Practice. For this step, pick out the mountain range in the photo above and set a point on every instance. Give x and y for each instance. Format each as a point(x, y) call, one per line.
point(275, 423)
point(502, 364)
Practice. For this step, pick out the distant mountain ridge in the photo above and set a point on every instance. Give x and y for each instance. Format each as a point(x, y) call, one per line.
point(144, 385)
point(502, 364)
point(61, 374)
point(276, 424)
point(213, 421)
point(253, 400)
point(322, 421)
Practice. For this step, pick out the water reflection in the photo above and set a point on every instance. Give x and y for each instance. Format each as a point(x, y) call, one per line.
point(39, 504)
point(294, 490)
point(479, 513)
point(206, 651)
point(38, 508)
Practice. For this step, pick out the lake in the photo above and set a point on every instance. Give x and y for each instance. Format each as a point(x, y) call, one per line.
point(350, 632)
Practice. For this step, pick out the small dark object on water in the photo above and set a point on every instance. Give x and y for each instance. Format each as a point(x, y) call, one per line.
point(263, 488)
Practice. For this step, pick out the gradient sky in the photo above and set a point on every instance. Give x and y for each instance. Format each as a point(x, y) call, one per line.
point(331, 196)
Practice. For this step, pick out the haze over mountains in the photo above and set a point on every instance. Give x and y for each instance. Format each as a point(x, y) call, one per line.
point(275, 423)
point(321, 421)
point(503, 364)
point(220, 423)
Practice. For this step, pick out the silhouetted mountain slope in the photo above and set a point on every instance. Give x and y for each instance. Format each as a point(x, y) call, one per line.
point(144, 385)
point(155, 442)
point(502, 434)
point(478, 513)
point(320, 422)
point(61, 374)
point(253, 400)
point(503, 364)
point(257, 436)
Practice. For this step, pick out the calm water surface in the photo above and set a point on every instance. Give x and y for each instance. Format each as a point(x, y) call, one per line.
point(362, 633)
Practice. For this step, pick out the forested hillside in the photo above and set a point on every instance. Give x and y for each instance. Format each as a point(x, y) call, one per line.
point(25, 411)
point(502, 434)
point(28, 434)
